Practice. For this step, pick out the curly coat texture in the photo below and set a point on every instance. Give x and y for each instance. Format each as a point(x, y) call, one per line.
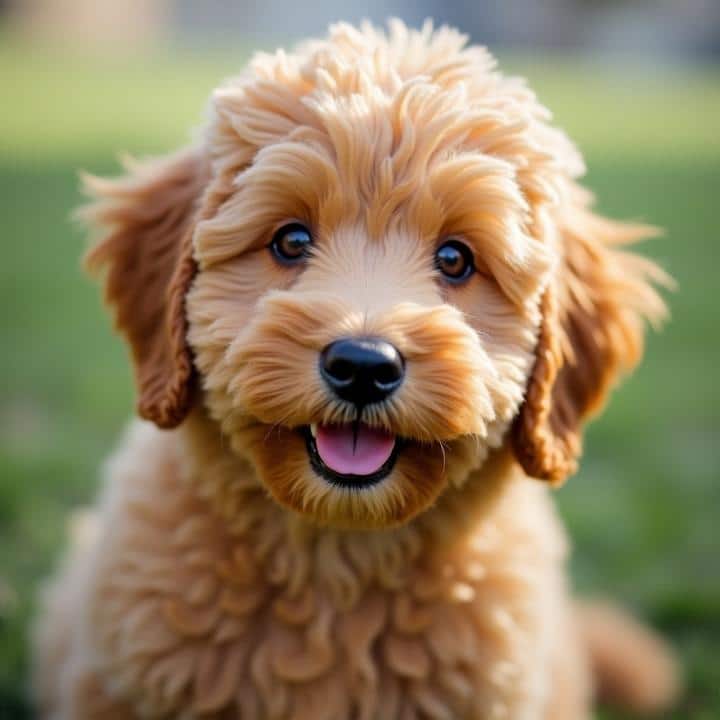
point(219, 576)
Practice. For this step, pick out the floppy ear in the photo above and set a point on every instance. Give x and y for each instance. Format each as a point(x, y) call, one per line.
point(594, 311)
point(146, 253)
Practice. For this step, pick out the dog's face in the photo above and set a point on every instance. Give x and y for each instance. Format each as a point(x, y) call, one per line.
point(361, 344)
point(377, 263)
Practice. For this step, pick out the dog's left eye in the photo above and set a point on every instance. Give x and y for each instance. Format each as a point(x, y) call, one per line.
point(291, 243)
point(454, 260)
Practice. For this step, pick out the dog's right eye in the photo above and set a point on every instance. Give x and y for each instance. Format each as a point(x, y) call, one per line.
point(455, 261)
point(291, 243)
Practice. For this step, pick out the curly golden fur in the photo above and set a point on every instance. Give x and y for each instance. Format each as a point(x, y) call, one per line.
point(220, 576)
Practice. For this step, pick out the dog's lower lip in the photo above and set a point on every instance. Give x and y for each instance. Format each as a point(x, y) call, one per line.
point(342, 479)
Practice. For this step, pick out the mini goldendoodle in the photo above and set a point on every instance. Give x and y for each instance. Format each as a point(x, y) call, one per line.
point(368, 312)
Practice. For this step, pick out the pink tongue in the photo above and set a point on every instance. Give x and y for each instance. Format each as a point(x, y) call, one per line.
point(335, 447)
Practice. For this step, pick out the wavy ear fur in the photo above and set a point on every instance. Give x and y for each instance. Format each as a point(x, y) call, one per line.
point(592, 331)
point(146, 253)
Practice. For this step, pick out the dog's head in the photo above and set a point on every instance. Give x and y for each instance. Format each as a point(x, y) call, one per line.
point(379, 267)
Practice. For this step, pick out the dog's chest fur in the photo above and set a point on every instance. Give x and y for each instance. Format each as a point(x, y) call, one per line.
point(253, 614)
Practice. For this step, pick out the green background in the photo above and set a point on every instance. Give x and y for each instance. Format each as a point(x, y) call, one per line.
point(643, 512)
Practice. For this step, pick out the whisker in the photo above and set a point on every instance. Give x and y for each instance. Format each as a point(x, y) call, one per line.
point(442, 450)
point(275, 426)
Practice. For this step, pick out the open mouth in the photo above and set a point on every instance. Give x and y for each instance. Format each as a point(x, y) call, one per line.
point(352, 455)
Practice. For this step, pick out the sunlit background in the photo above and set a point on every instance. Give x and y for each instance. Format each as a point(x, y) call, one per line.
point(636, 84)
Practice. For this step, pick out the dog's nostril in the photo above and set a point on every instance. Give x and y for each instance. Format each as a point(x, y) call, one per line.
point(387, 374)
point(340, 370)
point(362, 370)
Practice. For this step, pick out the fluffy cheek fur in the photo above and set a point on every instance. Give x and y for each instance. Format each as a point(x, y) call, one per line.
point(258, 349)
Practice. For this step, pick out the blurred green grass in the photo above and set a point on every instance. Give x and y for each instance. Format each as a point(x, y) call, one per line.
point(643, 511)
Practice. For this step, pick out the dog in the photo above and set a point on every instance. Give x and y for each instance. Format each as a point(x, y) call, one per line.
point(369, 312)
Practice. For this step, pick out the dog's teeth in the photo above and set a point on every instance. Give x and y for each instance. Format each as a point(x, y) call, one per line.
point(313, 429)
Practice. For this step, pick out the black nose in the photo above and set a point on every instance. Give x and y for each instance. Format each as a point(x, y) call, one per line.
point(362, 370)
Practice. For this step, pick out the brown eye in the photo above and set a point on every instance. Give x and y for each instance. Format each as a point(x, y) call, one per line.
point(455, 261)
point(291, 243)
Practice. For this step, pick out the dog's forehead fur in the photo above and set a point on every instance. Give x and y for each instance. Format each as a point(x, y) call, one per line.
point(387, 81)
